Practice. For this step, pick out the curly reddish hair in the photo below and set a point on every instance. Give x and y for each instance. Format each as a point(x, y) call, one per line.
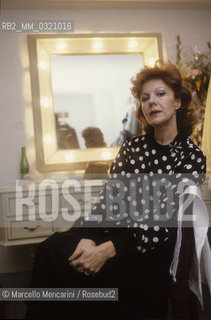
point(168, 73)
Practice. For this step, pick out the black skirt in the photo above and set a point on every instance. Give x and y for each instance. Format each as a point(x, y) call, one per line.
point(142, 281)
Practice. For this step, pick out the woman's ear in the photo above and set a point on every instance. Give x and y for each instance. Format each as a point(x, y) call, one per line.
point(178, 104)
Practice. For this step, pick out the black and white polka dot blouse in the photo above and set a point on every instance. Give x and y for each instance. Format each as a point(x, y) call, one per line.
point(139, 202)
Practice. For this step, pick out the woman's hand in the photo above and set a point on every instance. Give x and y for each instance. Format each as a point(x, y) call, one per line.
point(81, 246)
point(91, 258)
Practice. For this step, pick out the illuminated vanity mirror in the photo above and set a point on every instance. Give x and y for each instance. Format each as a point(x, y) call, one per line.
point(81, 95)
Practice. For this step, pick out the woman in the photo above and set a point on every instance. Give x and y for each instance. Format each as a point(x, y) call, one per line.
point(133, 246)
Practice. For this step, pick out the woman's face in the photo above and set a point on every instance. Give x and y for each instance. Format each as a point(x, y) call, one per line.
point(159, 104)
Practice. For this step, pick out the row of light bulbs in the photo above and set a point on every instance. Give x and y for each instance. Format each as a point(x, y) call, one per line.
point(98, 44)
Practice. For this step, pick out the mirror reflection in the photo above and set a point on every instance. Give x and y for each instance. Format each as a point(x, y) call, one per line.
point(93, 104)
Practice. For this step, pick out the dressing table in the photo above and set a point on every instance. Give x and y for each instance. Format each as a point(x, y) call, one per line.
point(30, 213)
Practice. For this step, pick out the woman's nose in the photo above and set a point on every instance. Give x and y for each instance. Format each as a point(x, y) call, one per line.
point(152, 99)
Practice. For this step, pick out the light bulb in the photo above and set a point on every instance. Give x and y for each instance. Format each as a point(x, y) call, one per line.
point(132, 44)
point(152, 61)
point(106, 155)
point(61, 45)
point(97, 45)
point(48, 139)
point(70, 157)
point(45, 102)
point(43, 65)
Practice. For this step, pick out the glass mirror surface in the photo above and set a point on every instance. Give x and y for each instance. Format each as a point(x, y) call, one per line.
point(93, 103)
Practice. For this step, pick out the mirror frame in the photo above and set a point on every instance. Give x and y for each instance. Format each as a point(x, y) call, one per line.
point(41, 48)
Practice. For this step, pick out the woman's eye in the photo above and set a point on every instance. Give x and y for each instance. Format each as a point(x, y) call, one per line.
point(144, 99)
point(160, 94)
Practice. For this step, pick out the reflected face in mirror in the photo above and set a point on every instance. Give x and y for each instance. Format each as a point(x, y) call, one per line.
point(93, 104)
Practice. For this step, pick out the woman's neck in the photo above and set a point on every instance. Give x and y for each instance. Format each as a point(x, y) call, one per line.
point(166, 136)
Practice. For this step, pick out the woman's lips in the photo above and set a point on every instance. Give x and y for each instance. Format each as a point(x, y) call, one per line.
point(154, 112)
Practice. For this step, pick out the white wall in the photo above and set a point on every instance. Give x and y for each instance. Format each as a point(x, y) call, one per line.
point(16, 121)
